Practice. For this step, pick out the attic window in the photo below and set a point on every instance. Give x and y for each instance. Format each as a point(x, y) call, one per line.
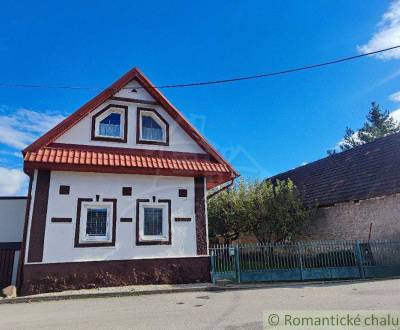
point(110, 124)
point(152, 128)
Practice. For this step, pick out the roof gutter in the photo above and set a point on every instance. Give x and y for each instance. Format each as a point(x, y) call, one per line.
point(219, 188)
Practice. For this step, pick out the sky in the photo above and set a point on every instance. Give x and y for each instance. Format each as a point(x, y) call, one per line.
point(263, 127)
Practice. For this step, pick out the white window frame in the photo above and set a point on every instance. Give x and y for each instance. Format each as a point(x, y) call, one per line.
point(109, 111)
point(158, 121)
point(83, 237)
point(165, 222)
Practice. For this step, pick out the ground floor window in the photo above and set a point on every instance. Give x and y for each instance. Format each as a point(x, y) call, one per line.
point(154, 222)
point(96, 222)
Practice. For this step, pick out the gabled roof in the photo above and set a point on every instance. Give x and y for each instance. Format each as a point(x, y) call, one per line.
point(367, 171)
point(134, 74)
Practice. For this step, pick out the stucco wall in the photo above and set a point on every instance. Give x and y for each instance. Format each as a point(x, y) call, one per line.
point(178, 139)
point(12, 215)
point(59, 237)
point(352, 220)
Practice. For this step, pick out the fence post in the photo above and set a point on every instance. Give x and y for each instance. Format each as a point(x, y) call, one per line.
point(299, 249)
point(237, 262)
point(212, 260)
point(359, 259)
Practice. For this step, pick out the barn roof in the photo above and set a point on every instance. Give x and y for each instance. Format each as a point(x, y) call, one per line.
point(366, 171)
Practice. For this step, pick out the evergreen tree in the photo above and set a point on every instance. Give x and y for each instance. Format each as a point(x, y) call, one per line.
point(378, 124)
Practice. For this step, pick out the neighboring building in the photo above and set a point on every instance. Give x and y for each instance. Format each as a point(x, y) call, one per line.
point(357, 192)
point(118, 195)
point(12, 215)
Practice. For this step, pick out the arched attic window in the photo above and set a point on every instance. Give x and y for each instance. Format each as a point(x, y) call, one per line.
point(152, 128)
point(110, 124)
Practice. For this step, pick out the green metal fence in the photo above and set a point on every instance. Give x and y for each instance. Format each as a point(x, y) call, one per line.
point(305, 261)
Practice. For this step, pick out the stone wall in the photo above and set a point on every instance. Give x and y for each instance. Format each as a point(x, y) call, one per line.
point(40, 278)
point(352, 220)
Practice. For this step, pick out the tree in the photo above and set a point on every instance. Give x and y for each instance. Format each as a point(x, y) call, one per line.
point(378, 124)
point(277, 213)
point(272, 212)
point(225, 212)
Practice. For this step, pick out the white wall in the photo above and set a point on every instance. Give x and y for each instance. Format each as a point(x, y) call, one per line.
point(178, 139)
point(59, 237)
point(12, 215)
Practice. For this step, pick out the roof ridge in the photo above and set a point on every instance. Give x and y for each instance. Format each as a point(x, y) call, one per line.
point(334, 157)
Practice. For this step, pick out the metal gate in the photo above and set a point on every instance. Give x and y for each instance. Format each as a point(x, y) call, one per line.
point(305, 261)
point(8, 261)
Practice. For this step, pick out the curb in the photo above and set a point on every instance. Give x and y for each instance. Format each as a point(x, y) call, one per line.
point(212, 288)
point(29, 299)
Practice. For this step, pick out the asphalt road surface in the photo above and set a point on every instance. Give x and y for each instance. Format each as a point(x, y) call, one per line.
point(211, 310)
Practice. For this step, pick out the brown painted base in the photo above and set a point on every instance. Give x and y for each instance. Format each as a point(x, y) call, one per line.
point(40, 278)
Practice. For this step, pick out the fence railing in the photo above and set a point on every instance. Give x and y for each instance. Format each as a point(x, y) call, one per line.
point(306, 260)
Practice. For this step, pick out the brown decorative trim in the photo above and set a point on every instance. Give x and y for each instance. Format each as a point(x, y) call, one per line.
point(78, 244)
point(133, 151)
point(40, 278)
point(10, 245)
point(211, 176)
point(138, 128)
point(110, 139)
point(39, 214)
point(61, 220)
point(12, 197)
point(131, 100)
point(24, 236)
point(126, 220)
point(138, 242)
point(183, 219)
point(126, 191)
point(182, 193)
point(199, 210)
point(64, 190)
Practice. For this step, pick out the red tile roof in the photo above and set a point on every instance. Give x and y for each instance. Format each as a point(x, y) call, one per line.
point(100, 158)
point(133, 161)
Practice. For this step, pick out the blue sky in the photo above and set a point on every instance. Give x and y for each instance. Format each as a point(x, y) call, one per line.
point(263, 126)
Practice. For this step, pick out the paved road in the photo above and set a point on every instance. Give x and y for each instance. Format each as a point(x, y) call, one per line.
point(230, 310)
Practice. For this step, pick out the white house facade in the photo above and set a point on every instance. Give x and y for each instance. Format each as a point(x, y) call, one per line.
point(117, 195)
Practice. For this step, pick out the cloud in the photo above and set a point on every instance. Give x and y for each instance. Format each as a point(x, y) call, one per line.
point(12, 181)
point(23, 126)
point(387, 34)
point(396, 115)
point(395, 97)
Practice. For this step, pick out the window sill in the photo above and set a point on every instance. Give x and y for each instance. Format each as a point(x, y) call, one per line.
point(153, 142)
point(109, 139)
point(94, 244)
point(153, 242)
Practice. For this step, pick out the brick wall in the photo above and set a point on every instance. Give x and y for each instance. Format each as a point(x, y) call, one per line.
point(352, 220)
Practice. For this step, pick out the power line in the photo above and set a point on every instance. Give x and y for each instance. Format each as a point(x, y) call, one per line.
point(212, 82)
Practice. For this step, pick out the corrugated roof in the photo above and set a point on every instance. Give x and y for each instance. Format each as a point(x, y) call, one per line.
point(367, 171)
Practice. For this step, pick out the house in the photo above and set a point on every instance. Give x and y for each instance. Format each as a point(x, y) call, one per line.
point(12, 215)
point(117, 195)
point(357, 192)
